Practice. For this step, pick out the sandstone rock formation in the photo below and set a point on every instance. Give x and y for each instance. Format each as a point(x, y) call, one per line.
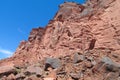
point(85, 38)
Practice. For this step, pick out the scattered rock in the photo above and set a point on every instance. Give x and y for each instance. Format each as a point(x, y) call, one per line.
point(107, 66)
point(107, 60)
point(78, 58)
point(94, 62)
point(75, 76)
point(52, 62)
point(32, 77)
point(7, 69)
point(88, 64)
point(112, 76)
point(49, 79)
point(34, 70)
point(11, 77)
point(52, 75)
point(20, 76)
point(110, 65)
point(4, 78)
point(92, 28)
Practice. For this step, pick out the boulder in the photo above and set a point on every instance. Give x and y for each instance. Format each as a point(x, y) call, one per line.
point(20, 76)
point(52, 62)
point(110, 65)
point(34, 70)
point(7, 70)
point(106, 64)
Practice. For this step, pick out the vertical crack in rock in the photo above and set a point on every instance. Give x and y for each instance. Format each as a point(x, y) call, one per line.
point(92, 44)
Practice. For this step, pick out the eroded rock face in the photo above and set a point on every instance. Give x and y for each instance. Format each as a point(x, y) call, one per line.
point(91, 29)
point(74, 28)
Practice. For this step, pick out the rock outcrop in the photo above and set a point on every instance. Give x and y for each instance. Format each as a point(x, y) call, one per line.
point(83, 41)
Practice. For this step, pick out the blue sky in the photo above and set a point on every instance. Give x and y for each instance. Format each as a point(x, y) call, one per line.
point(18, 17)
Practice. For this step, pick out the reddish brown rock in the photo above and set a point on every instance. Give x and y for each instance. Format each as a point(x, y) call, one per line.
point(52, 75)
point(11, 77)
point(6, 68)
point(33, 77)
point(93, 29)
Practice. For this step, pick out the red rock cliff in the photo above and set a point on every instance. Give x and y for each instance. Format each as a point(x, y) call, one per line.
point(93, 26)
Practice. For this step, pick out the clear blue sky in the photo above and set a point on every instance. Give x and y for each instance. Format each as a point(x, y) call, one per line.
point(18, 17)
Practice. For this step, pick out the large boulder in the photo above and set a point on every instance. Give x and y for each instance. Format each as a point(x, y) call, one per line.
point(52, 62)
point(7, 70)
point(110, 65)
point(34, 70)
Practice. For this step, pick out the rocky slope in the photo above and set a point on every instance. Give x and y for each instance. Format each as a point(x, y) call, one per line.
point(82, 42)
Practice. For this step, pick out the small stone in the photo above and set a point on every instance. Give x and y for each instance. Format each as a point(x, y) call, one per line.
point(88, 64)
point(4, 78)
point(75, 75)
point(78, 58)
point(52, 75)
point(49, 79)
point(20, 76)
point(11, 77)
point(90, 58)
point(93, 63)
point(32, 77)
